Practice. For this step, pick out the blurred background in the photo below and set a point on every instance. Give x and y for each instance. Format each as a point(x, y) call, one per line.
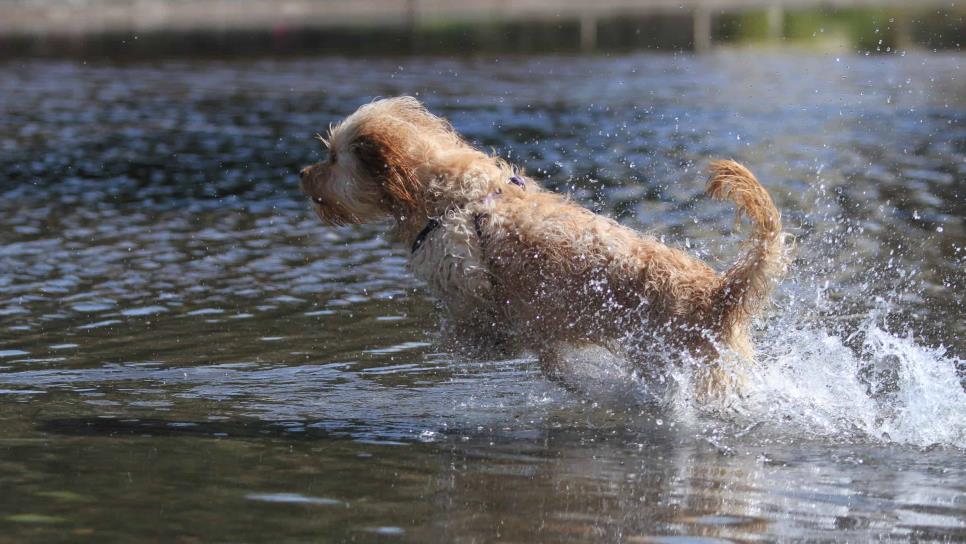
point(143, 28)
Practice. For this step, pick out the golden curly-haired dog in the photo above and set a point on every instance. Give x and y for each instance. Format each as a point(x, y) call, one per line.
point(511, 260)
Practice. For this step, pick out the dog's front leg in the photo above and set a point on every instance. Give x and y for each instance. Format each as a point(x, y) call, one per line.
point(478, 333)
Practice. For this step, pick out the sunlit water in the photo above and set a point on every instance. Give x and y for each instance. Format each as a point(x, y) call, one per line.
point(185, 353)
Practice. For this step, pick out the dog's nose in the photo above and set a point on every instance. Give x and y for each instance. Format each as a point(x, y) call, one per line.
point(303, 172)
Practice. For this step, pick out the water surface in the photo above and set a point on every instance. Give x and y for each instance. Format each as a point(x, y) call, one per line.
point(186, 354)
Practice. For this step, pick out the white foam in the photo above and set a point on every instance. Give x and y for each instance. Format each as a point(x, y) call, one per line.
point(807, 380)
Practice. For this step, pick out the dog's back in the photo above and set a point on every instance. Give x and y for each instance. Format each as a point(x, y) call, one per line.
point(564, 273)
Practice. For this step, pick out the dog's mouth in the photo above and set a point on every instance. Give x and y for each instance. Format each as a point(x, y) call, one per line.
point(330, 214)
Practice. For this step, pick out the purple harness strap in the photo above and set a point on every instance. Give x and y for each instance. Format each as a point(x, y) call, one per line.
point(434, 223)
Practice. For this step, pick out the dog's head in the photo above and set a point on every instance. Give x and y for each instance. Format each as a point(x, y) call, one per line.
point(376, 160)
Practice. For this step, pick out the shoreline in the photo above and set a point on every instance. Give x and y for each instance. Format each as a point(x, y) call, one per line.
point(131, 28)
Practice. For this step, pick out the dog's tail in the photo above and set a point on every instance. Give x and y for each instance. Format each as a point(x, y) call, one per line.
point(746, 285)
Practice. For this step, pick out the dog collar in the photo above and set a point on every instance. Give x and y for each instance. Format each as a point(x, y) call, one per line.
point(434, 223)
point(421, 237)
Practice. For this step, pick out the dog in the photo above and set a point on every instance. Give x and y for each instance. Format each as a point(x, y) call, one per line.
point(516, 262)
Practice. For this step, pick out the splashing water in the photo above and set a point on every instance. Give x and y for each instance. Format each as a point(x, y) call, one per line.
point(893, 389)
point(817, 374)
point(807, 381)
point(834, 365)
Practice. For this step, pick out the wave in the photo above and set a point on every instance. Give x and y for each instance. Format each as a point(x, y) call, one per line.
point(807, 380)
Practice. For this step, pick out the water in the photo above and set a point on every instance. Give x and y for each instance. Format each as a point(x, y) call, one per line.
point(186, 354)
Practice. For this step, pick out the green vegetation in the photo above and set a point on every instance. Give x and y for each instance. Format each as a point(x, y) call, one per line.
point(876, 30)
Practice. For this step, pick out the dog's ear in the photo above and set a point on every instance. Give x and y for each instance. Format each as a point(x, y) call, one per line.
point(386, 161)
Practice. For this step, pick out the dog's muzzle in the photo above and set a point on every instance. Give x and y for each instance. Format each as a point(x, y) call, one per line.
point(305, 186)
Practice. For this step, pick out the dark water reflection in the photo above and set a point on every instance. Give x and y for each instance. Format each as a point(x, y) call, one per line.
point(185, 354)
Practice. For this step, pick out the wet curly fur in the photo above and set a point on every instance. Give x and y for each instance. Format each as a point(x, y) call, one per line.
point(529, 266)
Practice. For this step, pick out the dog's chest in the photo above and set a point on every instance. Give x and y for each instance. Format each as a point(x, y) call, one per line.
point(449, 261)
